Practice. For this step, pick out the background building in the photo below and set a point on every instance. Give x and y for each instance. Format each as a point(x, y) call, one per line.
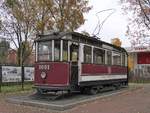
point(8, 56)
point(12, 58)
point(139, 62)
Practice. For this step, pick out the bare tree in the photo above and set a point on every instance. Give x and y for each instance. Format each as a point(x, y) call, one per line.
point(139, 21)
point(22, 19)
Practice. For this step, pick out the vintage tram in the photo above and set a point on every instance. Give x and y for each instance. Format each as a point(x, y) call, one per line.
point(70, 61)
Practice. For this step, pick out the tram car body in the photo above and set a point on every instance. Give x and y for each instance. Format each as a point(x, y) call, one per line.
point(70, 61)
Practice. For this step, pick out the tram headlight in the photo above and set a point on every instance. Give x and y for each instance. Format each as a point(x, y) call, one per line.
point(43, 75)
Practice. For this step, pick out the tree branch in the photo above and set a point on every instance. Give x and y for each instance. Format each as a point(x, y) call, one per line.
point(144, 14)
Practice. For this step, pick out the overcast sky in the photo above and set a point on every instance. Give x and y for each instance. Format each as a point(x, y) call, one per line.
point(114, 27)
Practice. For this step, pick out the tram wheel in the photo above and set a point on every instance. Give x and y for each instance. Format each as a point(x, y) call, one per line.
point(117, 86)
point(93, 90)
point(83, 91)
point(40, 91)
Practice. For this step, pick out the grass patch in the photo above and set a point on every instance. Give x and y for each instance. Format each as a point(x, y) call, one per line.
point(139, 81)
point(16, 88)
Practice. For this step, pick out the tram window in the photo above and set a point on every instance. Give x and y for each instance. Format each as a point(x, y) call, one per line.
point(116, 58)
point(123, 59)
point(45, 51)
point(74, 53)
point(126, 60)
point(87, 54)
point(74, 56)
point(109, 57)
point(56, 50)
point(65, 50)
point(98, 56)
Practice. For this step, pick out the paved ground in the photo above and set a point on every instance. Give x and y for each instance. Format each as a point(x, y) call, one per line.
point(131, 101)
point(64, 102)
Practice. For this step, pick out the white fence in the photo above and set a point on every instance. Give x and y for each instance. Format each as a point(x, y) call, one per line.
point(13, 74)
point(141, 71)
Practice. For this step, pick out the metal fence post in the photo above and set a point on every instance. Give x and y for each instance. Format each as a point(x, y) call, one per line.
point(0, 78)
point(22, 77)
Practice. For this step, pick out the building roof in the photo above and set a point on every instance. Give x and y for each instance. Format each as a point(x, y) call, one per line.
point(138, 49)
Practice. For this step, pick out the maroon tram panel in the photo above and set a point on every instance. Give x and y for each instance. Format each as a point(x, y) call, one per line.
point(57, 74)
point(118, 70)
point(93, 69)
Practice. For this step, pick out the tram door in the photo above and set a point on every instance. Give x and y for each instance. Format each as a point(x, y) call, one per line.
point(74, 55)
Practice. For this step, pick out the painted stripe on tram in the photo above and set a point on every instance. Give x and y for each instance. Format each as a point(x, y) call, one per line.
point(102, 77)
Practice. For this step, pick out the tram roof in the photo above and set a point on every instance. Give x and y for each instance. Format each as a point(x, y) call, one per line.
point(79, 38)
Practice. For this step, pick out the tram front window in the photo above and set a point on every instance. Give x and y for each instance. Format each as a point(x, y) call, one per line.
point(45, 51)
point(116, 58)
point(65, 51)
point(57, 51)
point(74, 53)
